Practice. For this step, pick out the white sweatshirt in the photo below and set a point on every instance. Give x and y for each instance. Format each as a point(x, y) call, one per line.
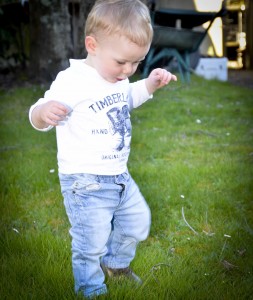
point(96, 136)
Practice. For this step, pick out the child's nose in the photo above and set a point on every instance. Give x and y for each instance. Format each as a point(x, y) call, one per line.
point(128, 69)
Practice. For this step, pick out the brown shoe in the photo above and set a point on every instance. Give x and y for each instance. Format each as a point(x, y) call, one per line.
point(121, 273)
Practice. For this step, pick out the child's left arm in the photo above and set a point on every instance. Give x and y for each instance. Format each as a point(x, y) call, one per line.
point(157, 79)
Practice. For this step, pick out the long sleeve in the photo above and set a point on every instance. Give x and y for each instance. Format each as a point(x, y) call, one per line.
point(138, 93)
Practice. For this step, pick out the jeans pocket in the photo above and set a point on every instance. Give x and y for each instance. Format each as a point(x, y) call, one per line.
point(83, 188)
point(78, 186)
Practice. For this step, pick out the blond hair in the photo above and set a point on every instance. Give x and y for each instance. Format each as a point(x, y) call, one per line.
point(130, 18)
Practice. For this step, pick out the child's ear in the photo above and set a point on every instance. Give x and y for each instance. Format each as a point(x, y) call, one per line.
point(90, 44)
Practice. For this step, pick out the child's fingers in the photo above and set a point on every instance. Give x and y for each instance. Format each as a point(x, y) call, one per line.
point(60, 109)
point(173, 77)
point(169, 77)
point(165, 76)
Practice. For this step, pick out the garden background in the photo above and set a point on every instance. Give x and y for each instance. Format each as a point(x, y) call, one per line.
point(192, 157)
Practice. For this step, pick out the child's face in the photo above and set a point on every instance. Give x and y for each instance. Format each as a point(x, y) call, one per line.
point(117, 58)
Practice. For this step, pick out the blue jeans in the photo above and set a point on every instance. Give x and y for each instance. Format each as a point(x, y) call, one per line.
point(108, 217)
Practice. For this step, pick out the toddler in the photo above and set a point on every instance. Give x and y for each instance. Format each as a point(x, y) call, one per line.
point(89, 103)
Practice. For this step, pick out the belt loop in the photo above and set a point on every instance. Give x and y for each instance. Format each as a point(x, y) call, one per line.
point(97, 178)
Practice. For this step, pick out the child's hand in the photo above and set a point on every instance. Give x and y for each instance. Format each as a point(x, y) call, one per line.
point(158, 78)
point(50, 113)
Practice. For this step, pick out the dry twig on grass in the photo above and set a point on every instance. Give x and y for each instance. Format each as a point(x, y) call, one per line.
point(187, 222)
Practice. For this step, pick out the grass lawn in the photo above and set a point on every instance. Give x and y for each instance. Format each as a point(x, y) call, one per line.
point(192, 157)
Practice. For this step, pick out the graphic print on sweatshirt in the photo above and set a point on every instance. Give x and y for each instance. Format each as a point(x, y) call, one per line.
point(110, 127)
point(120, 127)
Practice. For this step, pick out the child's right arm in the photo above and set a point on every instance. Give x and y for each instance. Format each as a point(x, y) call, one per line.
point(48, 114)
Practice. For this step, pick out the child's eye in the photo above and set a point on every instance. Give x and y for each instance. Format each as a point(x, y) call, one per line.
point(137, 62)
point(120, 62)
